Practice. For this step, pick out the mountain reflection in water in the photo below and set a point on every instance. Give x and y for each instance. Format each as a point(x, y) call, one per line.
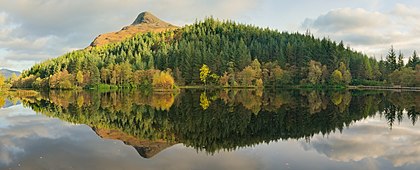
point(220, 120)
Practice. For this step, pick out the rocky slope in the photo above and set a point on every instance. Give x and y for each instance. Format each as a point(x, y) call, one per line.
point(145, 22)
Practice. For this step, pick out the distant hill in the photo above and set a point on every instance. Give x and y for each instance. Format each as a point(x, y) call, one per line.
point(9, 103)
point(8, 73)
point(145, 22)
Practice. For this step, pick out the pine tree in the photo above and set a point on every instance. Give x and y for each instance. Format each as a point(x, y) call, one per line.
point(368, 73)
point(391, 60)
point(95, 75)
point(290, 54)
point(243, 57)
point(126, 73)
point(413, 61)
point(151, 63)
point(400, 61)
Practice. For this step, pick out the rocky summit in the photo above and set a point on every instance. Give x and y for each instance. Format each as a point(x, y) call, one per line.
point(145, 22)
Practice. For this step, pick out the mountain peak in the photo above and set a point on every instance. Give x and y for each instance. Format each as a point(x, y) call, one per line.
point(145, 22)
point(146, 17)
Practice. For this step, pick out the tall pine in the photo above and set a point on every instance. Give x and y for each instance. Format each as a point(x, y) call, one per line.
point(391, 60)
point(400, 61)
point(413, 61)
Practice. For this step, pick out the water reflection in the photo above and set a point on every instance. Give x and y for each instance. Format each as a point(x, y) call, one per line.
point(369, 140)
point(226, 120)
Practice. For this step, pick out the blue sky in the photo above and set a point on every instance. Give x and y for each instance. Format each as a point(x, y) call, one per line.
point(35, 30)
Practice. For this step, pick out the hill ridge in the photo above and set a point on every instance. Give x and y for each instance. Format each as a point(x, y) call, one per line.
point(147, 17)
point(8, 73)
point(145, 22)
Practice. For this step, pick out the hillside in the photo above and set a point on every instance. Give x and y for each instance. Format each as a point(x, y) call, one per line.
point(8, 73)
point(145, 22)
point(212, 52)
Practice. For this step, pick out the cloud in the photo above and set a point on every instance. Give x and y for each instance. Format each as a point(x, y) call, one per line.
point(347, 19)
point(19, 125)
point(181, 12)
point(371, 139)
point(3, 16)
point(371, 32)
point(406, 11)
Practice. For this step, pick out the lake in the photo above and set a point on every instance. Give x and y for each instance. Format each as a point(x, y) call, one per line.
point(212, 129)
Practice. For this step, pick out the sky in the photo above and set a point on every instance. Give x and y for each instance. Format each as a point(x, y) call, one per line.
point(32, 31)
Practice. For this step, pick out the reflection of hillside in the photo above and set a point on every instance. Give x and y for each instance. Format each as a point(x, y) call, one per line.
point(219, 120)
point(146, 148)
point(129, 117)
point(7, 103)
point(116, 100)
point(7, 99)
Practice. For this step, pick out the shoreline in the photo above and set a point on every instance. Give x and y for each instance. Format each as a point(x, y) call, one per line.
point(399, 88)
point(358, 87)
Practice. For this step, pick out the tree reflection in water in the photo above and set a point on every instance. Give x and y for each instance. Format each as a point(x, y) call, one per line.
point(220, 119)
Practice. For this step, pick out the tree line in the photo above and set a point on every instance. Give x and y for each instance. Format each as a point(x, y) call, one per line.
point(235, 54)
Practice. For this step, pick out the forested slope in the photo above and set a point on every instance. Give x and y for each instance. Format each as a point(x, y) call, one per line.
point(213, 52)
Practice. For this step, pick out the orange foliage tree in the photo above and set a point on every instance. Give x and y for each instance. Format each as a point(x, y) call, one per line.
point(163, 80)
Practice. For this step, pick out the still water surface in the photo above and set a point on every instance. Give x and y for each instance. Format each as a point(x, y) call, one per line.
point(241, 129)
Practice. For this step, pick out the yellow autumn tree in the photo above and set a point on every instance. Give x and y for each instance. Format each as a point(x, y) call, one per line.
point(79, 78)
point(336, 77)
point(204, 73)
point(2, 101)
point(163, 80)
point(204, 101)
point(2, 80)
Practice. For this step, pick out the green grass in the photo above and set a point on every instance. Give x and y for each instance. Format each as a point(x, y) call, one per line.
point(357, 82)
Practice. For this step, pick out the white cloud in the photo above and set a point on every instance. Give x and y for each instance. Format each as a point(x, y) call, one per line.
point(371, 32)
point(347, 19)
point(3, 16)
point(406, 11)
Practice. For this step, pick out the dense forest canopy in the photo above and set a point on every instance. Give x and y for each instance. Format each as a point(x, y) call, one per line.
point(234, 54)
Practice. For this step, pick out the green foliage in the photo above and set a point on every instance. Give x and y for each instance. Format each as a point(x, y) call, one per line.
point(79, 78)
point(336, 77)
point(226, 47)
point(391, 60)
point(413, 61)
point(405, 77)
point(315, 71)
point(345, 75)
point(367, 82)
point(400, 61)
point(61, 80)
